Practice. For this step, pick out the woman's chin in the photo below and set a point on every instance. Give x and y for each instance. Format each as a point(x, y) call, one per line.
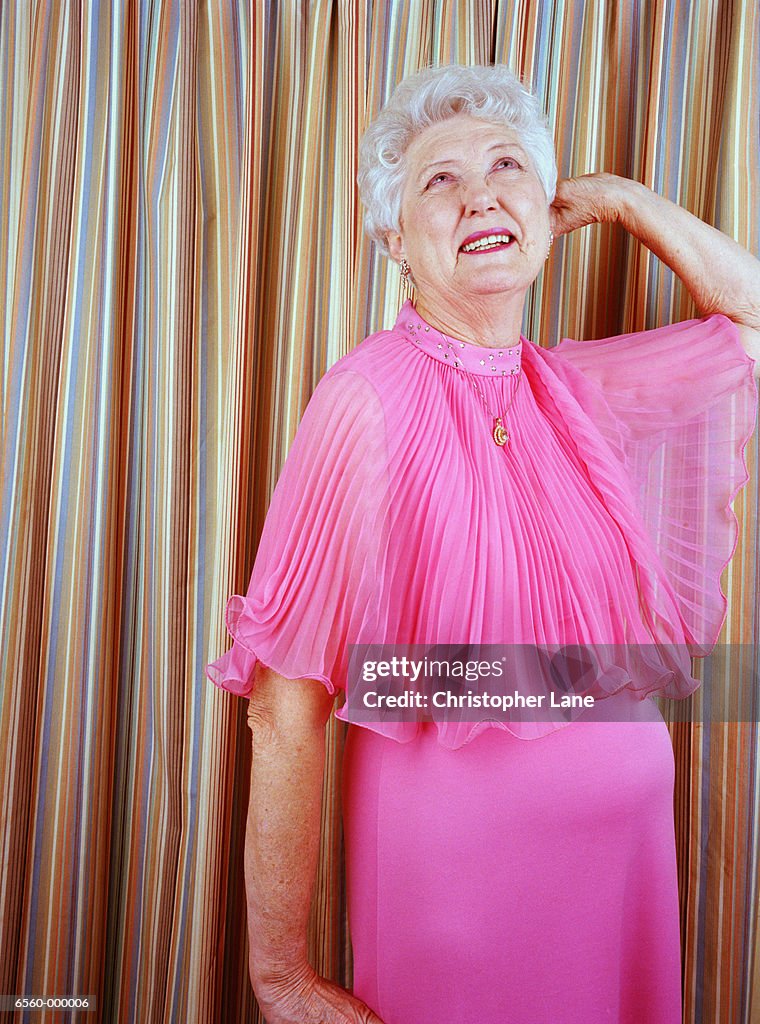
point(493, 281)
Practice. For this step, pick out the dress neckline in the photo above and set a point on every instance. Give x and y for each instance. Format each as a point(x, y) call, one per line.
point(460, 355)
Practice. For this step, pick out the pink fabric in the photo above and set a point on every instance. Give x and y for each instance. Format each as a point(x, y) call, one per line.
point(490, 879)
point(397, 520)
point(512, 882)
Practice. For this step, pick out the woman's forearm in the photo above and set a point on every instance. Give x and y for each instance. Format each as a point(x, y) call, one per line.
point(719, 274)
point(287, 720)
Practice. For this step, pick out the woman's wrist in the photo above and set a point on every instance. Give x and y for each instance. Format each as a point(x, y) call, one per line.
point(623, 198)
point(272, 981)
point(595, 199)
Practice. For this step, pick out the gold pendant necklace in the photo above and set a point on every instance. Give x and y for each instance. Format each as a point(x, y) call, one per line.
point(499, 432)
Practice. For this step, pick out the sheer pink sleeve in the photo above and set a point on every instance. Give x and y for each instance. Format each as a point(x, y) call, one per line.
point(313, 580)
point(677, 406)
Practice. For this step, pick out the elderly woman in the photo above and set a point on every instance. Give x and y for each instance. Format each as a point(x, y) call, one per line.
point(453, 483)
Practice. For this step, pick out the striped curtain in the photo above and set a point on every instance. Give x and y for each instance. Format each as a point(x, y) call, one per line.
point(183, 260)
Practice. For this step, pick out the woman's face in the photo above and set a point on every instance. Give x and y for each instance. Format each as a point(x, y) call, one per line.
point(468, 179)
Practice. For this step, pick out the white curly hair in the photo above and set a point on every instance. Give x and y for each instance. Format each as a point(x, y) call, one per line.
point(488, 92)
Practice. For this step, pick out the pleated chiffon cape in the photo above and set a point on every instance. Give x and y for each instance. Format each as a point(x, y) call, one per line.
point(606, 519)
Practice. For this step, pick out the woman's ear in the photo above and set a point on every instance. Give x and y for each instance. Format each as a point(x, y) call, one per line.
point(395, 244)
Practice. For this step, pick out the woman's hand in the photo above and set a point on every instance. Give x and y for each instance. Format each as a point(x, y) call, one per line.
point(588, 199)
point(305, 998)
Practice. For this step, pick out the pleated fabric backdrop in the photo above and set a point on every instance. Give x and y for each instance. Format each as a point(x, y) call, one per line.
point(183, 261)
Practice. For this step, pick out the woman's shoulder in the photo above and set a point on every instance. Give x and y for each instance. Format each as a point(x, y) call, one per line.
point(355, 391)
point(367, 366)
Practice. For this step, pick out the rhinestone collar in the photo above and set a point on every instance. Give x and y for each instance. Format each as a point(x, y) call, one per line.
point(462, 355)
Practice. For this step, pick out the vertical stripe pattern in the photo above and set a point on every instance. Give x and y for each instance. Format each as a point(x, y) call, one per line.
point(184, 260)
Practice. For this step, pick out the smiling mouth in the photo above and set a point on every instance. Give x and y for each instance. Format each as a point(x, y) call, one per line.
point(487, 244)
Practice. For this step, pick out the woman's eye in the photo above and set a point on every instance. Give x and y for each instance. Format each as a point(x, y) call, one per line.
point(438, 179)
point(507, 161)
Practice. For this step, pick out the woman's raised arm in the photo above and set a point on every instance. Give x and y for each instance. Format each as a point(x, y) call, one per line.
point(719, 274)
point(287, 719)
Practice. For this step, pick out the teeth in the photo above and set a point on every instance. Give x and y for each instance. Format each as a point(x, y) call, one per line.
point(487, 242)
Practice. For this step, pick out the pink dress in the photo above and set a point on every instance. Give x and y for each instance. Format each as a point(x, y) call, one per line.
point(505, 872)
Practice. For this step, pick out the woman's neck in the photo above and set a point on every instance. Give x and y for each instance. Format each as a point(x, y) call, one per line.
point(493, 324)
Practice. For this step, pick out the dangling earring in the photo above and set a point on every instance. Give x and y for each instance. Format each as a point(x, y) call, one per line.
point(406, 270)
point(548, 251)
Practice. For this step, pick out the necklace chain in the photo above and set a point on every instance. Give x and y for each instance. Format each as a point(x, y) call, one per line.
point(499, 432)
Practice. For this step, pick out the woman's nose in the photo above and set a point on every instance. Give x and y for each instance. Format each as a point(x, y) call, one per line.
point(478, 196)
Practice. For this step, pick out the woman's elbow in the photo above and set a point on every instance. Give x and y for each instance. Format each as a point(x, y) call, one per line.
point(293, 708)
point(750, 339)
